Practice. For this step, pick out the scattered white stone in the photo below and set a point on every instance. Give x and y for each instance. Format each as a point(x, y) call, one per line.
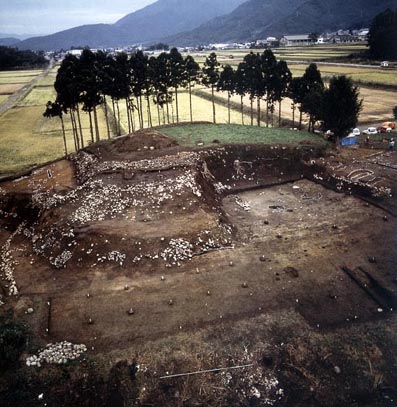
point(56, 353)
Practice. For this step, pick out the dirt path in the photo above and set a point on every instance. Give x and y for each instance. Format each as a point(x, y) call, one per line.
point(20, 94)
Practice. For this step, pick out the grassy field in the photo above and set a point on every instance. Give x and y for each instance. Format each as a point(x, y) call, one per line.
point(190, 135)
point(28, 138)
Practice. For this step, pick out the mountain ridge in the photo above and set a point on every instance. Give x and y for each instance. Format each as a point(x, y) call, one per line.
point(193, 22)
point(257, 19)
point(153, 22)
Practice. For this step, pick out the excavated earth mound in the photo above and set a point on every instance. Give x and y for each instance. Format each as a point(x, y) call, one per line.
point(138, 240)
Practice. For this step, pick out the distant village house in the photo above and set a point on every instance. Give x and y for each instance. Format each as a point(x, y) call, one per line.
point(297, 40)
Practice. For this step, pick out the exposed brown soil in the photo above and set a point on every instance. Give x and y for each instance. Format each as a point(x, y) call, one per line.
point(263, 255)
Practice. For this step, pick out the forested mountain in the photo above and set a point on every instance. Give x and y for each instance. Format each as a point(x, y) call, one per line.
point(256, 19)
point(191, 22)
point(168, 17)
point(154, 22)
point(8, 41)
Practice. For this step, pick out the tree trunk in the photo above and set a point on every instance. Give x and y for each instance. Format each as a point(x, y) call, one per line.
point(138, 111)
point(149, 113)
point(64, 136)
point(172, 111)
point(115, 118)
point(279, 113)
point(190, 102)
point(91, 128)
point(168, 110)
point(293, 115)
point(258, 113)
point(158, 114)
point(252, 111)
point(105, 105)
point(76, 147)
point(81, 130)
point(131, 112)
point(272, 112)
point(213, 105)
point(118, 118)
point(242, 109)
point(267, 112)
point(76, 131)
point(228, 108)
point(176, 104)
point(300, 119)
point(96, 124)
point(141, 110)
point(128, 116)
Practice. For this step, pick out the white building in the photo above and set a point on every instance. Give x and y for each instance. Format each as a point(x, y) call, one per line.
point(296, 40)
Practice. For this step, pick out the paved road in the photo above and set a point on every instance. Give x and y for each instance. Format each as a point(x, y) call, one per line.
point(21, 93)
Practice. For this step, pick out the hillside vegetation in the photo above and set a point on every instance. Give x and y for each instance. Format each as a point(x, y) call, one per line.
point(257, 19)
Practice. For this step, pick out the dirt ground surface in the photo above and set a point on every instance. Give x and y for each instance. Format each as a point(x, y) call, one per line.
point(277, 260)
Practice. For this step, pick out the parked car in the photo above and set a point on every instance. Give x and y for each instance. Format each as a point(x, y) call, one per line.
point(384, 129)
point(392, 125)
point(384, 64)
point(355, 132)
point(370, 130)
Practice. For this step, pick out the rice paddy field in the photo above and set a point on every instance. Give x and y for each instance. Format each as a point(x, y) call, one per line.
point(28, 138)
point(12, 81)
point(325, 53)
point(358, 74)
point(313, 53)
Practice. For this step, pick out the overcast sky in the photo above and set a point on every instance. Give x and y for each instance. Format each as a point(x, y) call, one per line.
point(49, 16)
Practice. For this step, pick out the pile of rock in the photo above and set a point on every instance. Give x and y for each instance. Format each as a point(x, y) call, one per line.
point(7, 263)
point(57, 353)
point(177, 251)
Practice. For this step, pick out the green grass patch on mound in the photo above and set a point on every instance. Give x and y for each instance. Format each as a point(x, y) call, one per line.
point(191, 134)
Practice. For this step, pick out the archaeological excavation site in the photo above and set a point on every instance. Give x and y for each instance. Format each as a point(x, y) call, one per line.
point(151, 274)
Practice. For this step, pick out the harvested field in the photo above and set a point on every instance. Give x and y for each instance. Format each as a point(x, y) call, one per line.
point(376, 106)
point(249, 255)
point(10, 88)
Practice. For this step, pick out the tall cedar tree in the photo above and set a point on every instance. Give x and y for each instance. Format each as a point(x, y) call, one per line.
point(296, 93)
point(139, 68)
point(163, 82)
point(268, 65)
point(382, 37)
point(106, 78)
point(211, 77)
point(192, 71)
point(342, 106)
point(282, 81)
point(313, 91)
point(90, 88)
point(251, 75)
point(68, 88)
point(177, 68)
point(239, 86)
point(54, 109)
point(227, 83)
